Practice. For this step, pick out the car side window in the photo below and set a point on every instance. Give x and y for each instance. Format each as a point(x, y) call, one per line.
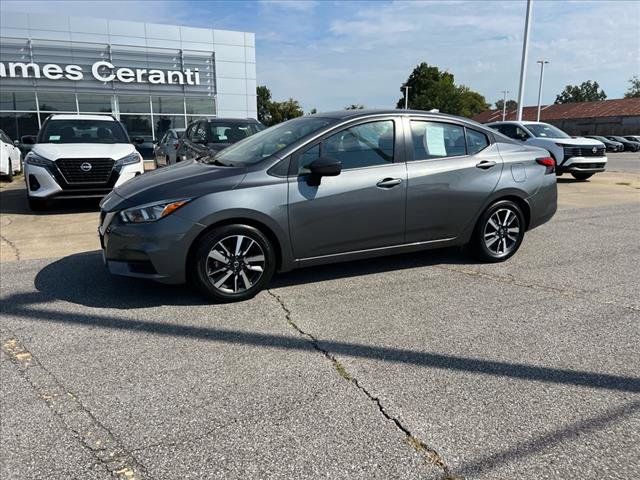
point(476, 141)
point(305, 159)
point(521, 134)
point(364, 145)
point(437, 140)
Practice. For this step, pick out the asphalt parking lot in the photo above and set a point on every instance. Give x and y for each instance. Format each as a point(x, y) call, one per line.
point(425, 366)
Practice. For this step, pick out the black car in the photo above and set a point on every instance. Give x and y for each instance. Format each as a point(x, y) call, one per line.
point(612, 145)
point(629, 146)
point(209, 136)
point(633, 138)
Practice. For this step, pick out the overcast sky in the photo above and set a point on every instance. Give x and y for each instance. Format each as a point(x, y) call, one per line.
point(329, 54)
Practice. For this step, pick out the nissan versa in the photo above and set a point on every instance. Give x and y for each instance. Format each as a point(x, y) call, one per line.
point(327, 188)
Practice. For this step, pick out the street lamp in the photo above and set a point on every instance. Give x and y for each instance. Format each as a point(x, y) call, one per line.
point(504, 104)
point(523, 65)
point(405, 88)
point(542, 63)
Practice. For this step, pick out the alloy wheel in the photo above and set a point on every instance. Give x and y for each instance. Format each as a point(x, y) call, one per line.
point(235, 264)
point(501, 232)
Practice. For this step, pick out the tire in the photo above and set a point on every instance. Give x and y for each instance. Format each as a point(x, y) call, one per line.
point(10, 173)
point(506, 216)
point(37, 204)
point(224, 276)
point(581, 176)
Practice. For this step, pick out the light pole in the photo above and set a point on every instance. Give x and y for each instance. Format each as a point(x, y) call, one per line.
point(541, 62)
point(504, 104)
point(523, 65)
point(405, 88)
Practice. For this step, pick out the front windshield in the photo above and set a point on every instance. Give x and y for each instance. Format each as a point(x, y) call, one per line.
point(270, 141)
point(83, 131)
point(544, 130)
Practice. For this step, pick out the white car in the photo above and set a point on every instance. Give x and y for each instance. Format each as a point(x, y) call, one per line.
point(79, 156)
point(9, 157)
point(581, 157)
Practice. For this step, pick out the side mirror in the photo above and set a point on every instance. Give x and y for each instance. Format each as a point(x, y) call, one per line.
point(28, 139)
point(138, 140)
point(16, 143)
point(323, 167)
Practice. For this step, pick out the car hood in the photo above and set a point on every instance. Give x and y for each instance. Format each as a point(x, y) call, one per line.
point(189, 179)
point(581, 141)
point(53, 151)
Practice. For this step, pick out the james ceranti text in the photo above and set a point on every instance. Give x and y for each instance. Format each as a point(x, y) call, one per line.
point(102, 71)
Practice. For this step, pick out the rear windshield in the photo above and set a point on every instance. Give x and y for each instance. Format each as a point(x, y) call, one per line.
point(83, 131)
point(231, 132)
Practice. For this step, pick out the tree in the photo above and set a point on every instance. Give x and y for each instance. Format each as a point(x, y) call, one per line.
point(430, 88)
point(585, 92)
point(634, 89)
point(511, 105)
point(354, 106)
point(282, 111)
point(264, 99)
point(312, 111)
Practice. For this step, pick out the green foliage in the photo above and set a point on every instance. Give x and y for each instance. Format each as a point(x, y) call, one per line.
point(511, 105)
point(354, 106)
point(634, 89)
point(585, 92)
point(431, 88)
point(270, 112)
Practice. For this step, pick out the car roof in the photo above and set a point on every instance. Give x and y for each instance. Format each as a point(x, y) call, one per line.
point(223, 119)
point(349, 114)
point(106, 118)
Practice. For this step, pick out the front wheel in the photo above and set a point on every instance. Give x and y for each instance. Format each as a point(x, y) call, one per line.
point(499, 232)
point(233, 263)
point(582, 176)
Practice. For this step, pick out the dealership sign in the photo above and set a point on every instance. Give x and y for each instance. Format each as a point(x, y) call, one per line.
point(102, 71)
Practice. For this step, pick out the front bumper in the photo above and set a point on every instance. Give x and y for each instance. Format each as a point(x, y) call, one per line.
point(156, 250)
point(48, 182)
point(583, 165)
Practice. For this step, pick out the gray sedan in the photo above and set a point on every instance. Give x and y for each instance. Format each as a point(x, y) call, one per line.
point(165, 150)
point(326, 188)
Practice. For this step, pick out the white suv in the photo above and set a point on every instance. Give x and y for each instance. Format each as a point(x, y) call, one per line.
point(79, 156)
point(9, 156)
point(581, 157)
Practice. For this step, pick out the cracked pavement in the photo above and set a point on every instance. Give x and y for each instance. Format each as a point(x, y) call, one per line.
point(424, 366)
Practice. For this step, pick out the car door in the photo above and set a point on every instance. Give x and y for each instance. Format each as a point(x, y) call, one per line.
point(451, 171)
point(361, 208)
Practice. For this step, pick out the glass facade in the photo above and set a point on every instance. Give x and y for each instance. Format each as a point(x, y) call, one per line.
point(150, 77)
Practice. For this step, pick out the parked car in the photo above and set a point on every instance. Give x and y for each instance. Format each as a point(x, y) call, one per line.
point(165, 150)
point(144, 145)
point(327, 188)
point(629, 145)
point(581, 157)
point(79, 156)
point(10, 157)
point(633, 138)
point(611, 146)
point(207, 136)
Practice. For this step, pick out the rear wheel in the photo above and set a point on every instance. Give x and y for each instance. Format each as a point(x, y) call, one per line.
point(10, 173)
point(233, 263)
point(582, 176)
point(499, 232)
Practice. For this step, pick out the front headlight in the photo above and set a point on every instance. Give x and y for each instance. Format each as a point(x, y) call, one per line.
point(35, 159)
point(130, 159)
point(151, 211)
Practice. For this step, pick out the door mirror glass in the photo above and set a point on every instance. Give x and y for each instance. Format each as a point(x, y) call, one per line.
point(28, 139)
point(16, 143)
point(138, 140)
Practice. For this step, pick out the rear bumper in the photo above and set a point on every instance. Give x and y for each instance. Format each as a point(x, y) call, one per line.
point(544, 203)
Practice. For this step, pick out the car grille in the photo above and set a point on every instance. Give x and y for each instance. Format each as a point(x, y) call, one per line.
point(583, 151)
point(71, 169)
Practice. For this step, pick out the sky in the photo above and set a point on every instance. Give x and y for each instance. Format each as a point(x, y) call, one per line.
point(329, 54)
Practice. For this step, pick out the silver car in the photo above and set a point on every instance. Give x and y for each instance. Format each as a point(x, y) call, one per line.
point(327, 188)
point(165, 150)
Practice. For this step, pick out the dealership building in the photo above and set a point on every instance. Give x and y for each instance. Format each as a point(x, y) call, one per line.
point(151, 77)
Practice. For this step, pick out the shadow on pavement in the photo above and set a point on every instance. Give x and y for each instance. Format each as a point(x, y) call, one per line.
point(83, 279)
point(13, 201)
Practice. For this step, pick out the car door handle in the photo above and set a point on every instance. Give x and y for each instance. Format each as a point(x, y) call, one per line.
point(389, 182)
point(485, 164)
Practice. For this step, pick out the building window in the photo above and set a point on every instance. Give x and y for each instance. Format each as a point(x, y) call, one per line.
point(134, 104)
point(165, 104)
point(57, 102)
point(200, 105)
point(162, 123)
point(16, 125)
point(17, 101)
point(89, 102)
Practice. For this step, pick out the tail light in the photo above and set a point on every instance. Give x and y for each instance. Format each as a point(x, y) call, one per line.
point(548, 162)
